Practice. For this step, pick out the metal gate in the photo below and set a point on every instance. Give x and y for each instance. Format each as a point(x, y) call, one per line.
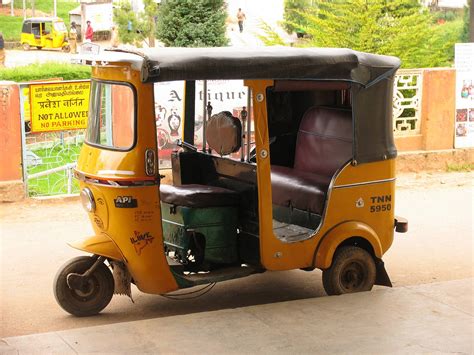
point(48, 157)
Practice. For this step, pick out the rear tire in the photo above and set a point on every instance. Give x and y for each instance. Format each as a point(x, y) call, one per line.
point(90, 301)
point(38, 47)
point(352, 270)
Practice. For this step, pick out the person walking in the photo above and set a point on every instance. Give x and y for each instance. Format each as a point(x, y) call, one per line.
point(114, 37)
point(2, 51)
point(89, 32)
point(240, 18)
point(73, 38)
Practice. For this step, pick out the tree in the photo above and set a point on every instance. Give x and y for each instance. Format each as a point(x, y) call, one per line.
point(468, 27)
point(135, 27)
point(128, 22)
point(192, 23)
point(294, 20)
point(402, 28)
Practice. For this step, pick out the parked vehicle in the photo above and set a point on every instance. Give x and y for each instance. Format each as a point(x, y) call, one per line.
point(44, 32)
point(303, 179)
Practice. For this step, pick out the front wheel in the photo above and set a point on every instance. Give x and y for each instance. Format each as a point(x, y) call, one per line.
point(66, 48)
point(95, 293)
point(352, 270)
point(26, 47)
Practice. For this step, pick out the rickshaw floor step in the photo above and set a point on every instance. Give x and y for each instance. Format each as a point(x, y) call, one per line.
point(226, 273)
point(290, 232)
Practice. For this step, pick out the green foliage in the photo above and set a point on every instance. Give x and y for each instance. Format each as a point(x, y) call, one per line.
point(135, 27)
point(465, 28)
point(192, 23)
point(459, 167)
point(441, 44)
point(45, 71)
point(270, 37)
point(11, 27)
point(128, 23)
point(148, 20)
point(402, 28)
point(47, 6)
point(442, 16)
point(294, 20)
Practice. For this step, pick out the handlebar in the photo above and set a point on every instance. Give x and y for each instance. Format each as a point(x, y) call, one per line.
point(185, 145)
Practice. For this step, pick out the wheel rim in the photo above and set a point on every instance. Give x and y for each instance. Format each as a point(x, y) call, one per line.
point(353, 276)
point(88, 293)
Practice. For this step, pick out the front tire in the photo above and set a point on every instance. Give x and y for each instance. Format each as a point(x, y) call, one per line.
point(96, 294)
point(26, 47)
point(352, 270)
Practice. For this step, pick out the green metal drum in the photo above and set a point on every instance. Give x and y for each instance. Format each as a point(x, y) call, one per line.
point(214, 229)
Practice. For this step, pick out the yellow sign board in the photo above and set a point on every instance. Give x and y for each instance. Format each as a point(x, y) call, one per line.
point(59, 107)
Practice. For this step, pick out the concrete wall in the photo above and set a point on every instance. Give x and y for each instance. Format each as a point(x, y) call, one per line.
point(437, 113)
point(11, 184)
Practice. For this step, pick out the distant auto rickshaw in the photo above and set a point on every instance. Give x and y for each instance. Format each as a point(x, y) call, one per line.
point(44, 32)
point(302, 177)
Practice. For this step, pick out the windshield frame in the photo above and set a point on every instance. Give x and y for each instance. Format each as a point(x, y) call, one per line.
point(135, 114)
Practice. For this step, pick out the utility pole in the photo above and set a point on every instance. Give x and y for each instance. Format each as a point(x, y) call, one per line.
point(55, 5)
point(24, 9)
point(12, 11)
point(32, 8)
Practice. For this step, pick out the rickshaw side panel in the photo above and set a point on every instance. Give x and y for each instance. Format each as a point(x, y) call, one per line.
point(100, 244)
point(127, 199)
point(341, 204)
point(138, 232)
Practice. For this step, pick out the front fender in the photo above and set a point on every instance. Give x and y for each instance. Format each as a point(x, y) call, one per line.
point(334, 237)
point(100, 245)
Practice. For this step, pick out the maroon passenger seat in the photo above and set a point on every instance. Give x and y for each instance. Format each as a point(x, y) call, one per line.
point(323, 145)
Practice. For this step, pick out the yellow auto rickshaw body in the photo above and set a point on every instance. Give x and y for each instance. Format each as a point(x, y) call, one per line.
point(169, 237)
point(44, 32)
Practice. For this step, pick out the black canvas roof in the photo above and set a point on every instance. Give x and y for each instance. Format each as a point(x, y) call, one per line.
point(372, 77)
point(169, 64)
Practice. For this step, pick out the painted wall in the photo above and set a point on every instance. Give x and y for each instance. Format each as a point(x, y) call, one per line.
point(437, 113)
point(10, 132)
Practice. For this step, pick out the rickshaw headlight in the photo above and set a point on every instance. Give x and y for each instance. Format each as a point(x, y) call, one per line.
point(87, 199)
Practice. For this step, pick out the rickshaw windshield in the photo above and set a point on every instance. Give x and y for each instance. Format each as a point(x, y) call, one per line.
point(111, 115)
point(59, 26)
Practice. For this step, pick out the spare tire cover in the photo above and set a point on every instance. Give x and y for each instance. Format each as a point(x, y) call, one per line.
point(224, 133)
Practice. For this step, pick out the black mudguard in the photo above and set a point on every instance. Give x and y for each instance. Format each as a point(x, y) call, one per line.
point(381, 277)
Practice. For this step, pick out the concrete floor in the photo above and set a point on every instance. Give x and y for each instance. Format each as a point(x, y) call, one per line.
point(431, 318)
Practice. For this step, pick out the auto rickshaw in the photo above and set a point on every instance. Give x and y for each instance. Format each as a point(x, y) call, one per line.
point(302, 177)
point(44, 32)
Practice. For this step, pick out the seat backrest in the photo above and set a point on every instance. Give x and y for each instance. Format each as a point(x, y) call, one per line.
point(324, 141)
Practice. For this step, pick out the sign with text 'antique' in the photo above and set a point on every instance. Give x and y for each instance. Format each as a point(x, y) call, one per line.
point(59, 107)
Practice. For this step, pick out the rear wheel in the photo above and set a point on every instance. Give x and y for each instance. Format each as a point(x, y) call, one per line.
point(94, 294)
point(26, 46)
point(38, 47)
point(352, 270)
